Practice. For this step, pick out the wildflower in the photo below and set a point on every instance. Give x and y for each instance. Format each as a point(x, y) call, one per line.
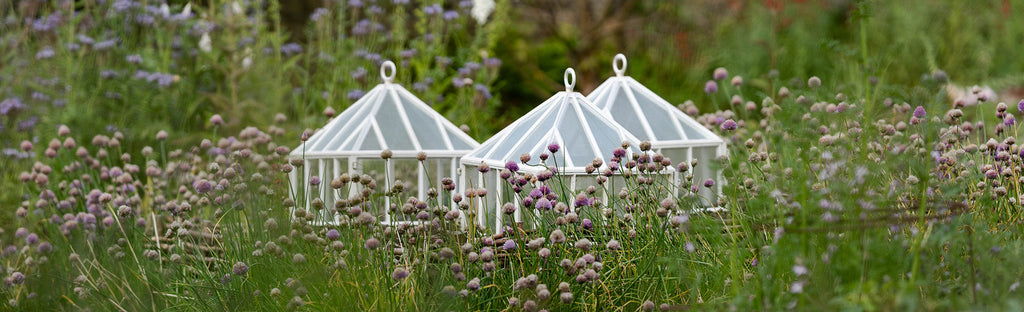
point(372, 243)
point(647, 306)
point(314, 180)
point(291, 48)
point(203, 186)
point(509, 245)
point(450, 15)
point(399, 273)
point(32, 239)
point(814, 82)
point(298, 258)
point(557, 237)
point(566, 297)
point(333, 234)
point(728, 125)
point(354, 94)
point(613, 245)
point(17, 278)
point(797, 287)
point(216, 120)
point(799, 270)
point(553, 147)
point(481, 9)
point(473, 284)
point(386, 154)
point(583, 244)
point(720, 73)
point(737, 81)
point(709, 183)
point(710, 87)
point(205, 43)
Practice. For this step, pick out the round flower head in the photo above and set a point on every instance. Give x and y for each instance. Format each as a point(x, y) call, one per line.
point(729, 125)
point(1020, 106)
point(553, 147)
point(216, 120)
point(710, 87)
point(814, 82)
point(720, 73)
point(333, 234)
point(240, 268)
point(709, 183)
point(399, 274)
point(512, 166)
point(919, 112)
point(509, 245)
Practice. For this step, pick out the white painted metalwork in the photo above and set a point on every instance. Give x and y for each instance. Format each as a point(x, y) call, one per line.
point(652, 118)
point(568, 119)
point(386, 117)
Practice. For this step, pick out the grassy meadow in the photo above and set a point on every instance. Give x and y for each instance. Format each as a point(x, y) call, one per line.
point(872, 162)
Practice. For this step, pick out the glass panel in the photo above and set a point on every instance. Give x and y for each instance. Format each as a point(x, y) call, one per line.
point(624, 114)
point(407, 173)
point(392, 127)
point(576, 142)
point(606, 136)
point(437, 169)
point(658, 118)
point(370, 141)
point(501, 149)
point(693, 133)
point(705, 170)
point(457, 142)
point(425, 126)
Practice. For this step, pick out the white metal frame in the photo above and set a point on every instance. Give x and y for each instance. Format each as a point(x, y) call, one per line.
point(344, 135)
point(572, 167)
point(604, 98)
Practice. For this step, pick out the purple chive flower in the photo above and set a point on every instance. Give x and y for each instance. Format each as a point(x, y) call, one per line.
point(240, 268)
point(582, 200)
point(509, 245)
point(203, 186)
point(32, 239)
point(134, 59)
point(543, 203)
point(216, 120)
point(709, 183)
point(553, 147)
point(587, 224)
point(17, 278)
point(920, 112)
point(314, 180)
point(1020, 106)
point(1010, 120)
point(710, 87)
point(720, 74)
point(399, 274)
point(333, 234)
point(355, 3)
point(512, 166)
point(728, 125)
